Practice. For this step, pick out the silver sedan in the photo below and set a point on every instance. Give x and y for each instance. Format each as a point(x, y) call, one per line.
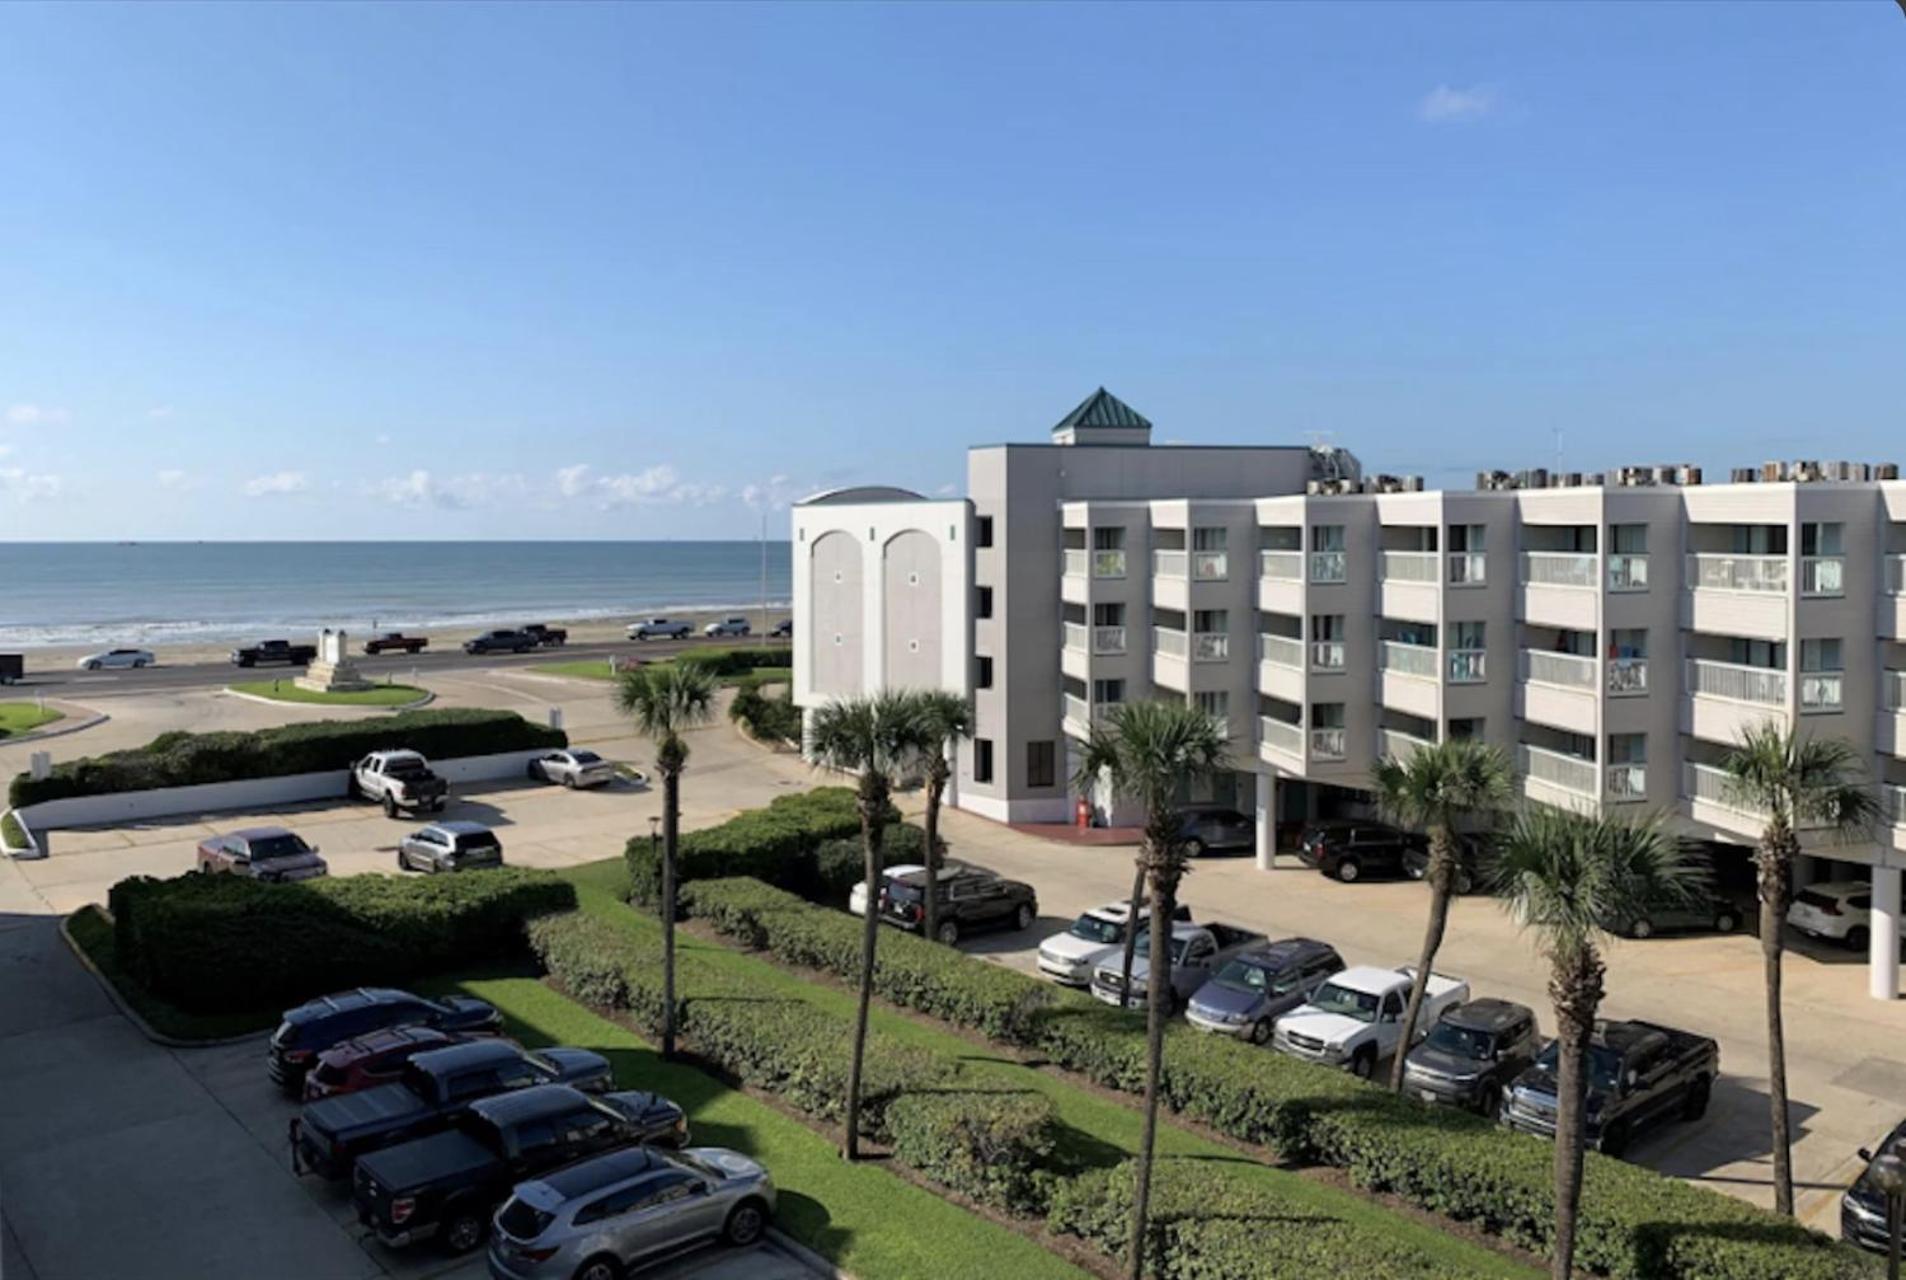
point(573, 769)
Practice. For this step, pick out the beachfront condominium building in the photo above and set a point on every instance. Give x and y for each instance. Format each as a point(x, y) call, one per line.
point(1615, 634)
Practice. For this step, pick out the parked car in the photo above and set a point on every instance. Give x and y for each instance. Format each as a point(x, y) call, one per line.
point(546, 637)
point(1707, 910)
point(1350, 851)
point(269, 653)
point(1471, 853)
point(1472, 1054)
point(735, 626)
point(12, 668)
point(448, 1186)
point(1250, 991)
point(317, 1025)
point(1097, 935)
point(370, 1060)
point(1639, 1075)
point(1863, 1206)
point(500, 641)
point(970, 899)
point(1355, 1019)
point(604, 1217)
point(857, 896)
point(782, 630)
point(1837, 911)
point(450, 846)
point(573, 768)
point(331, 1134)
point(1216, 828)
point(659, 629)
point(396, 642)
point(113, 659)
point(401, 781)
point(263, 853)
point(1197, 952)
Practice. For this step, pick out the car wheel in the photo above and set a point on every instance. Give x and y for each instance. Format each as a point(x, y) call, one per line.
point(948, 932)
point(463, 1231)
point(1694, 1106)
point(1614, 1139)
point(390, 807)
point(403, 861)
point(1194, 848)
point(1364, 1065)
point(1349, 870)
point(92, 666)
point(530, 773)
point(1642, 929)
point(1856, 937)
point(602, 1268)
point(1416, 870)
point(569, 780)
point(1023, 918)
point(1489, 1101)
point(1261, 1031)
point(1726, 923)
point(745, 1224)
point(138, 663)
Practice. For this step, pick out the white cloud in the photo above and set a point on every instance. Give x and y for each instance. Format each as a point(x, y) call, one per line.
point(454, 493)
point(32, 415)
point(160, 411)
point(656, 484)
point(1447, 105)
point(777, 493)
point(383, 439)
point(277, 482)
point(946, 490)
point(175, 481)
point(23, 486)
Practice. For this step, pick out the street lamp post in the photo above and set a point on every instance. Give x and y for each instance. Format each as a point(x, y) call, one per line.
point(655, 834)
point(1889, 1175)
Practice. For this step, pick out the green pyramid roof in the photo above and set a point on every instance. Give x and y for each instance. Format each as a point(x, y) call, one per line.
point(1103, 409)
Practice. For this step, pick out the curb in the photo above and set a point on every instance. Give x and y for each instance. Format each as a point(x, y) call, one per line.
point(805, 1256)
point(32, 851)
point(61, 728)
point(424, 701)
point(132, 1015)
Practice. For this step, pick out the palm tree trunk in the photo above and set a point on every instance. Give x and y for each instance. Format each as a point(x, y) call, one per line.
point(1164, 889)
point(671, 831)
point(873, 804)
point(936, 786)
point(1442, 872)
point(1131, 934)
point(1776, 887)
point(1575, 987)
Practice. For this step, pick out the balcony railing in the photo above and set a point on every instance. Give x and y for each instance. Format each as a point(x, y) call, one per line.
point(1820, 690)
point(1627, 676)
point(1108, 639)
point(1284, 566)
point(1075, 563)
point(1077, 709)
point(1282, 735)
point(1762, 686)
point(1822, 576)
point(1169, 564)
point(1896, 574)
point(1075, 635)
point(1408, 566)
point(1468, 568)
point(1329, 566)
point(1627, 573)
point(1108, 564)
point(1738, 573)
point(1399, 745)
point(1558, 568)
point(1210, 566)
point(1327, 744)
point(1627, 782)
point(1893, 690)
point(1571, 773)
point(1466, 666)
point(1893, 804)
point(1569, 670)
point(1408, 659)
point(1327, 655)
point(1712, 785)
point(1281, 651)
point(1210, 646)
point(1169, 642)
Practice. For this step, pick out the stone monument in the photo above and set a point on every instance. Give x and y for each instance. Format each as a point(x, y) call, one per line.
point(332, 671)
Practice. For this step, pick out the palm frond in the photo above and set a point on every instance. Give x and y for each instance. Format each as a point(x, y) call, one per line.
point(1445, 784)
point(886, 732)
point(666, 698)
point(1801, 780)
point(1573, 878)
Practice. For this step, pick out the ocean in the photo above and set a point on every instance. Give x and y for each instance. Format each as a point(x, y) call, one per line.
point(150, 593)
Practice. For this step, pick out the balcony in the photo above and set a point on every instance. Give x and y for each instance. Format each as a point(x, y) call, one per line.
point(1075, 636)
point(1408, 659)
point(1169, 564)
point(1563, 670)
point(1627, 573)
point(1108, 640)
point(1398, 745)
point(1281, 566)
point(1407, 566)
point(1210, 646)
point(1627, 677)
point(1327, 655)
point(1893, 804)
point(1281, 651)
point(1210, 566)
point(1076, 563)
point(1558, 569)
point(1820, 690)
point(1627, 782)
point(1466, 666)
point(1172, 644)
point(1708, 784)
point(1108, 564)
point(1280, 735)
point(1893, 690)
point(1896, 575)
point(1761, 686)
point(1766, 574)
point(1822, 576)
point(1075, 709)
point(1468, 569)
point(1570, 773)
point(1327, 744)
point(1329, 567)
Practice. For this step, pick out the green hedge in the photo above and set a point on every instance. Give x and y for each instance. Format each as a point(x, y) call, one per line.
point(841, 864)
point(1635, 1224)
point(774, 719)
point(993, 1146)
point(181, 759)
point(776, 844)
point(734, 662)
point(221, 944)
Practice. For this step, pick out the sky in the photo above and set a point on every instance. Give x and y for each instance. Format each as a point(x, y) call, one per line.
point(601, 271)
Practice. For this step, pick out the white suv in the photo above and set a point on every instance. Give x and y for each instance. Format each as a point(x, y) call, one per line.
point(1837, 910)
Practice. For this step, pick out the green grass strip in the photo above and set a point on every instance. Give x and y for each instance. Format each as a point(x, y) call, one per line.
point(598, 669)
point(285, 690)
point(24, 717)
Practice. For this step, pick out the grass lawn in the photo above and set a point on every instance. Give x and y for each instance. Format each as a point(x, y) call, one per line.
point(598, 669)
point(1104, 1130)
point(94, 934)
point(23, 717)
point(10, 833)
point(384, 695)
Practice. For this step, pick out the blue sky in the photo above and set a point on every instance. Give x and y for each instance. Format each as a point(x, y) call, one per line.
point(639, 271)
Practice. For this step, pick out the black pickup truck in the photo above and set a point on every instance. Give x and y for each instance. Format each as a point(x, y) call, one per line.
point(332, 1133)
point(396, 642)
point(546, 637)
point(1639, 1075)
point(274, 652)
point(446, 1187)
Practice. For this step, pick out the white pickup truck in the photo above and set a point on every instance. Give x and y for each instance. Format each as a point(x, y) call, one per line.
point(1096, 936)
point(1353, 1020)
point(400, 781)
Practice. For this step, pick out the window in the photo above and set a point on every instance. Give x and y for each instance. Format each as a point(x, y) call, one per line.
point(1109, 539)
point(614, 1204)
point(1820, 539)
point(982, 673)
point(983, 602)
point(982, 759)
point(1628, 539)
point(1628, 748)
point(1326, 537)
point(1108, 691)
point(1208, 539)
point(983, 532)
point(1821, 655)
point(1040, 764)
point(1326, 715)
point(1211, 620)
point(1213, 702)
point(1466, 728)
point(1466, 537)
point(1108, 615)
point(1467, 635)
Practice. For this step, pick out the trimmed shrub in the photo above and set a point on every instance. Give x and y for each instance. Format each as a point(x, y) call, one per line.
point(990, 1145)
point(221, 944)
point(776, 844)
point(180, 759)
point(734, 662)
point(841, 864)
point(770, 719)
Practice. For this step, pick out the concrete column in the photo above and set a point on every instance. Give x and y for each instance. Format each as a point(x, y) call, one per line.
point(1266, 820)
point(1882, 969)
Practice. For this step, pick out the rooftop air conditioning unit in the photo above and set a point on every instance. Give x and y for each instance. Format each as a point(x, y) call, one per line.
point(1886, 471)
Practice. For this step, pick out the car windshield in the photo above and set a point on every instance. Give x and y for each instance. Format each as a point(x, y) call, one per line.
point(1332, 998)
point(1094, 929)
point(700, 1166)
point(1462, 1042)
point(584, 757)
point(476, 842)
point(523, 1221)
point(1604, 1064)
point(1256, 975)
point(265, 848)
point(1141, 945)
point(901, 891)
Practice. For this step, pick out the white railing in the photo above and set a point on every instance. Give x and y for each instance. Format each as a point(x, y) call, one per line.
point(1896, 574)
point(1822, 576)
point(1627, 782)
point(1893, 690)
point(1627, 676)
point(1893, 804)
point(1712, 785)
point(1468, 568)
point(1169, 564)
point(1210, 646)
point(1168, 642)
point(1075, 636)
point(1077, 709)
point(1329, 566)
point(1285, 566)
point(1210, 566)
point(1399, 745)
point(1282, 735)
point(1558, 568)
point(1737, 573)
point(1075, 564)
point(1108, 564)
point(1763, 686)
point(1281, 651)
point(1820, 690)
point(1327, 744)
point(1108, 639)
point(1408, 566)
point(1627, 573)
point(1327, 655)
point(1569, 670)
point(1466, 666)
point(1571, 773)
point(1408, 659)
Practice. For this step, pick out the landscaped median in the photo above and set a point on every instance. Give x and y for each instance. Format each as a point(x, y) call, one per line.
point(17, 718)
point(383, 695)
point(728, 666)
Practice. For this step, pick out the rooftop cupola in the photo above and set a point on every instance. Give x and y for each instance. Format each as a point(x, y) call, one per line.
point(1103, 418)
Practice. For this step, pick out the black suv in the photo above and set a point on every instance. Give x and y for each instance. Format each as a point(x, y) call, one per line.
point(320, 1024)
point(1352, 850)
point(1212, 828)
point(1471, 1055)
point(969, 899)
point(1472, 875)
point(501, 642)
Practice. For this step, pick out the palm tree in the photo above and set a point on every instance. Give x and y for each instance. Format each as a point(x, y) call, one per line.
point(947, 717)
point(1436, 790)
point(665, 699)
point(1150, 752)
point(878, 737)
point(1792, 782)
point(1569, 878)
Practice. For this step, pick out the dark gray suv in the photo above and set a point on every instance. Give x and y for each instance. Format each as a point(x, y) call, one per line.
point(1255, 987)
point(1211, 828)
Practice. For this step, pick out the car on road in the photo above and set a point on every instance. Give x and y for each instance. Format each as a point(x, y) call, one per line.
point(373, 1059)
point(433, 1088)
point(116, 659)
point(1197, 952)
point(735, 626)
point(659, 629)
point(500, 641)
point(969, 900)
point(272, 854)
point(1705, 911)
point(546, 637)
point(1216, 828)
point(1837, 911)
point(1355, 1019)
point(449, 1185)
point(1095, 936)
point(1471, 1055)
point(12, 667)
point(1863, 1206)
point(401, 781)
point(602, 1218)
point(396, 642)
point(1639, 1074)
point(1350, 851)
point(316, 1025)
point(573, 767)
point(275, 653)
point(782, 630)
point(450, 846)
point(1250, 991)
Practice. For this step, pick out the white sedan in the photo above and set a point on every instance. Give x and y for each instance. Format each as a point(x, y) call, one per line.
point(116, 658)
point(573, 769)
